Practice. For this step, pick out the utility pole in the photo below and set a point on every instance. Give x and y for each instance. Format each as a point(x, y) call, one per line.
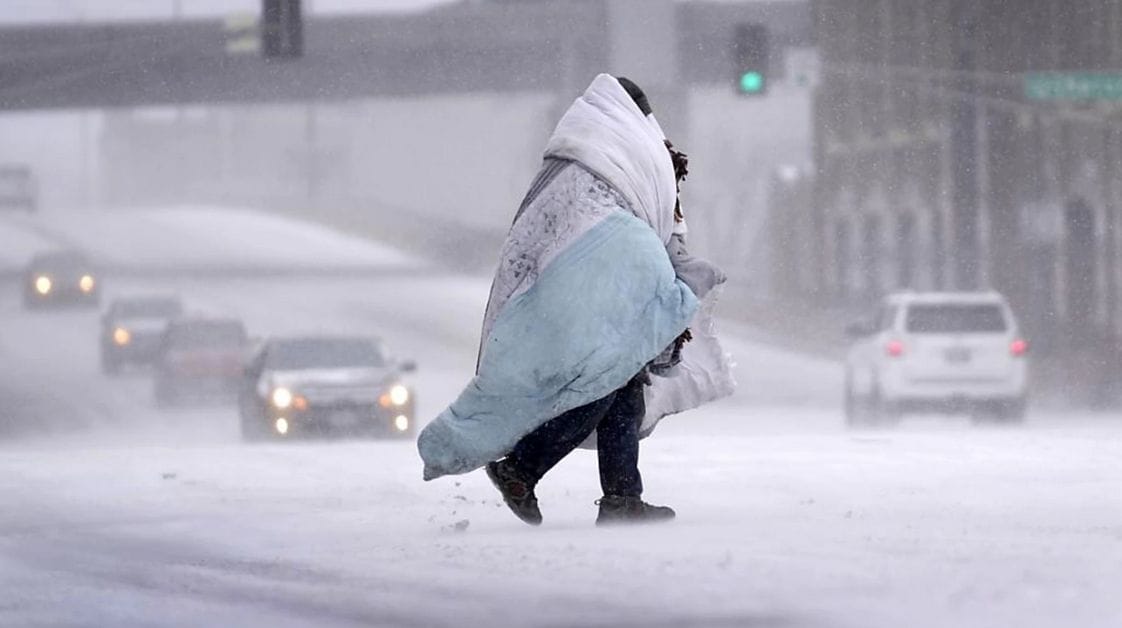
point(965, 193)
point(85, 145)
point(85, 140)
point(1112, 186)
point(311, 158)
point(176, 15)
point(311, 137)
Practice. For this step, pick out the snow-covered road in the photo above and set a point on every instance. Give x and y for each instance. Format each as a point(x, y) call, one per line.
point(115, 514)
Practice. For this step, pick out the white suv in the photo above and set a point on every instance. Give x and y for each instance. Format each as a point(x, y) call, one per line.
point(954, 351)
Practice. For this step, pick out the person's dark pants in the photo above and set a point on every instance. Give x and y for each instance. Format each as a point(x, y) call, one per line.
point(615, 418)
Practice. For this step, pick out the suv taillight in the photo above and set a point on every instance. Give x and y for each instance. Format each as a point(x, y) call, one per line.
point(1018, 348)
point(894, 349)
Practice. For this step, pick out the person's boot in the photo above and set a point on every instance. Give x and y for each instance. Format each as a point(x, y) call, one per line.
point(517, 490)
point(629, 509)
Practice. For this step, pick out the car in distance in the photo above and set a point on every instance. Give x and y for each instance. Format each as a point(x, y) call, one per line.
point(944, 352)
point(60, 278)
point(323, 386)
point(132, 328)
point(17, 187)
point(199, 358)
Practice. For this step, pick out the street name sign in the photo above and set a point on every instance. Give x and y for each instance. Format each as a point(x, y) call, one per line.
point(1073, 86)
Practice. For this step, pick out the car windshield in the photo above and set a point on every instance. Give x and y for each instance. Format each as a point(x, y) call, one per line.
point(322, 353)
point(957, 318)
point(153, 308)
point(206, 335)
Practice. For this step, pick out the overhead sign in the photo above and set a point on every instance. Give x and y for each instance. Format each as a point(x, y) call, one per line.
point(1073, 86)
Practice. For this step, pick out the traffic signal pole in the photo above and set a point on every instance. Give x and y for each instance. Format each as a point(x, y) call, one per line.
point(965, 192)
point(282, 29)
point(1112, 189)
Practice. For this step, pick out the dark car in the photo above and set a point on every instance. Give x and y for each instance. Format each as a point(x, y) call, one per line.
point(132, 328)
point(60, 278)
point(325, 386)
point(200, 358)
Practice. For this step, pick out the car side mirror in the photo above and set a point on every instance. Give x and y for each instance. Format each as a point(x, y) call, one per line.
point(407, 366)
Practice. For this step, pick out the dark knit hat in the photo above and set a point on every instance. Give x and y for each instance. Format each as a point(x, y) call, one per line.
point(636, 94)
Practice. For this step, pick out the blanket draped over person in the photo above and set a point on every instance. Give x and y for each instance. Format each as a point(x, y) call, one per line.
point(585, 294)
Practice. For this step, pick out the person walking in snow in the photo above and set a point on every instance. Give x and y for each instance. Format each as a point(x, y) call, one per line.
point(593, 295)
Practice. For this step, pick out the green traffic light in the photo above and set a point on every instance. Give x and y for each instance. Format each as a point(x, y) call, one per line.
point(751, 82)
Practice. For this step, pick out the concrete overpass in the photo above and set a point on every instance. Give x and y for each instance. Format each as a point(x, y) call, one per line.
point(493, 46)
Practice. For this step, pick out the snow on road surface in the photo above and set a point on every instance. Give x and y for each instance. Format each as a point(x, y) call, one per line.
point(919, 528)
point(115, 513)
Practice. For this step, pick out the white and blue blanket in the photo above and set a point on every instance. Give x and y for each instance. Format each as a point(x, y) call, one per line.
point(585, 294)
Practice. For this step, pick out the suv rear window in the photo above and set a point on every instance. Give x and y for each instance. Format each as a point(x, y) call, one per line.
point(959, 318)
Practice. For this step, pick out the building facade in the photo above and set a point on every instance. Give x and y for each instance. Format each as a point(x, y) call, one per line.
point(972, 145)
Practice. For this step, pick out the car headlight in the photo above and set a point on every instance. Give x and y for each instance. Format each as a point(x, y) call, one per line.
point(86, 283)
point(401, 422)
point(43, 284)
point(399, 395)
point(121, 336)
point(281, 398)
